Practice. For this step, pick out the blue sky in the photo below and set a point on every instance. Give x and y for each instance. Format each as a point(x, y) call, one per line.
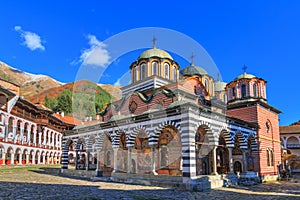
point(55, 38)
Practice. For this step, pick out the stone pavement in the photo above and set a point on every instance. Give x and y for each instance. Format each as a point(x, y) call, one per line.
point(45, 183)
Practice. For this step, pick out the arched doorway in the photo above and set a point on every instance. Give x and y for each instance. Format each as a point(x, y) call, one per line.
point(106, 155)
point(169, 151)
point(237, 167)
point(237, 153)
point(222, 156)
point(9, 153)
point(141, 153)
point(249, 154)
point(122, 154)
point(202, 151)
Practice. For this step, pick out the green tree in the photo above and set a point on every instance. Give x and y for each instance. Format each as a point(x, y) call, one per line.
point(64, 102)
point(51, 103)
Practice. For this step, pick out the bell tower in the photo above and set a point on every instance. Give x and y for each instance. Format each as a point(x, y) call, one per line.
point(247, 100)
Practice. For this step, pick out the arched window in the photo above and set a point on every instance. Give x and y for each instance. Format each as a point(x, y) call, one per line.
point(155, 68)
point(174, 74)
point(206, 84)
point(244, 91)
point(268, 127)
point(233, 91)
point(254, 90)
point(143, 71)
point(136, 73)
point(270, 157)
point(167, 70)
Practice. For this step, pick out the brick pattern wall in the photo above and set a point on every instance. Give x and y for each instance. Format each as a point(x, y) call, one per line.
point(271, 139)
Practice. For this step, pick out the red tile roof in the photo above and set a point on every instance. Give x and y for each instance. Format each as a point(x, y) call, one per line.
point(67, 119)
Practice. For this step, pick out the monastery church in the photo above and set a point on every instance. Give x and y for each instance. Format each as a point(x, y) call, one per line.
point(180, 124)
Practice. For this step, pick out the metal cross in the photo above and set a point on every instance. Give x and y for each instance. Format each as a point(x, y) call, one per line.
point(192, 58)
point(244, 68)
point(154, 42)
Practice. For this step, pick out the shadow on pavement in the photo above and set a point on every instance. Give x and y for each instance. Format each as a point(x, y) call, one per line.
point(103, 190)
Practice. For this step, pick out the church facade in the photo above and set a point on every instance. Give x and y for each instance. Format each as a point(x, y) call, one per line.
point(182, 124)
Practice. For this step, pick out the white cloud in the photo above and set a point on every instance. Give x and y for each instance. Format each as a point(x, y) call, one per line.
point(31, 40)
point(124, 80)
point(96, 55)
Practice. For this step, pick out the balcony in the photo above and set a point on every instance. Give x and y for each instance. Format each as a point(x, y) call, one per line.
point(293, 146)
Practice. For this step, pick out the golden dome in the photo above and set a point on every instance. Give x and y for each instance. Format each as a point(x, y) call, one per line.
point(154, 52)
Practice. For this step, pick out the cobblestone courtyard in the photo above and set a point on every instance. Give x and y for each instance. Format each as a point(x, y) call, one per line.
point(41, 183)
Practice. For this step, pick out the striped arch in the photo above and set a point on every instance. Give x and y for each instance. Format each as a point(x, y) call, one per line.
point(116, 137)
point(89, 142)
point(65, 146)
point(134, 133)
point(252, 139)
point(102, 138)
point(79, 142)
point(153, 137)
point(208, 129)
point(98, 144)
point(228, 140)
point(241, 139)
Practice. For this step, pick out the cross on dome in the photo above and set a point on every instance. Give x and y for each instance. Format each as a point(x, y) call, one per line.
point(192, 59)
point(154, 42)
point(245, 69)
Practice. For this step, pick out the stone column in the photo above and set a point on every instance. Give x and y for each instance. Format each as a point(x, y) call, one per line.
point(98, 170)
point(214, 154)
point(87, 160)
point(52, 160)
point(230, 160)
point(22, 135)
point(34, 138)
point(49, 139)
point(76, 159)
point(27, 158)
point(45, 138)
point(244, 161)
point(20, 158)
point(12, 158)
point(153, 160)
point(28, 136)
point(40, 139)
point(44, 159)
point(39, 159)
point(3, 157)
point(64, 156)
point(188, 145)
point(6, 132)
point(115, 159)
point(56, 141)
point(48, 159)
point(14, 133)
point(129, 164)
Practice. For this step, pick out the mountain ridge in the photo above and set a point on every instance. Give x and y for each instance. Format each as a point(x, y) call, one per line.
point(35, 87)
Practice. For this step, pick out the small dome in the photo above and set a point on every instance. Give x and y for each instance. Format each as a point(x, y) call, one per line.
point(154, 52)
point(193, 70)
point(244, 75)
point(220, 86)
